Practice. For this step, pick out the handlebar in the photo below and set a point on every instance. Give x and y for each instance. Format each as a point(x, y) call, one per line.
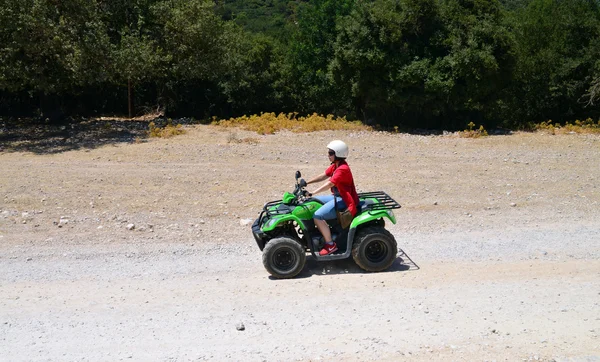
point(300, 192)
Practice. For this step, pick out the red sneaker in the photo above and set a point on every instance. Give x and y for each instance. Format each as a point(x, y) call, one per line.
point(328, 249)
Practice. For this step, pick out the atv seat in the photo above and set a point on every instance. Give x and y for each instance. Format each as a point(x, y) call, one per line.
point(364, 205)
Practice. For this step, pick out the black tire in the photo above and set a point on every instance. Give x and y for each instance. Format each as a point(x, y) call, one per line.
point(374, 249)
point(283, 257)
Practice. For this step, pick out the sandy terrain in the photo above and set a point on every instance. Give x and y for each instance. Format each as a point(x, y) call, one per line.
point(137, 251)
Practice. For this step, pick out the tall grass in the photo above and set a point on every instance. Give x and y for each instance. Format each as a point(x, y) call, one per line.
point(165, 132)
point(473, 133)
point(586, 126)
point(269, 123)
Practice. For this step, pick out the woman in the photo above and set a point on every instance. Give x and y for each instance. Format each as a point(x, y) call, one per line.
point(340, 177)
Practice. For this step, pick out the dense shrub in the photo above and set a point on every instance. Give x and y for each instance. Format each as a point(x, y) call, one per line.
point(396, 63)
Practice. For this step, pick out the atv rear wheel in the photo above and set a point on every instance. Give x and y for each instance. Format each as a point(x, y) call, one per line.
point(283, 257)
point(374, 249)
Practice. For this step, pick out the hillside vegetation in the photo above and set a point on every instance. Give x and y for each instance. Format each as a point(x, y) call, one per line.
point(433, 64)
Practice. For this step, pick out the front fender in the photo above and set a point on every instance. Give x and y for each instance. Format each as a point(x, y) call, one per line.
point(373, 215)
point(275, 221)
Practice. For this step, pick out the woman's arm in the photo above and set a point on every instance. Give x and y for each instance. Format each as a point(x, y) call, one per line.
point(325, 186)
point(317, 179)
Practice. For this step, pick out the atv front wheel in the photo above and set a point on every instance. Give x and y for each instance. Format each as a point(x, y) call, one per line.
point(374, 249)
point(284, 257)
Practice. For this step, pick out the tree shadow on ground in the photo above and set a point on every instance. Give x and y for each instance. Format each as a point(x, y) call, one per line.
point(51, 138)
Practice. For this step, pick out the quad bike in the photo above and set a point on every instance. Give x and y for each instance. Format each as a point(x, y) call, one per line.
point(285, 231)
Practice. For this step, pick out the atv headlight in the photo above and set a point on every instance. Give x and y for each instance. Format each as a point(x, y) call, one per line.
point(270, 223)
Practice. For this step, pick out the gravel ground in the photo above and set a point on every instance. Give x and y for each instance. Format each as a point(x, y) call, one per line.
point(138, 251)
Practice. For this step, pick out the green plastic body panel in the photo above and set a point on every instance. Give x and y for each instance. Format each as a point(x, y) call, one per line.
point(373, 215)
point(301, 212)
point(298, 214)
point(307, 210)
point(274, 222)
point(288, 197)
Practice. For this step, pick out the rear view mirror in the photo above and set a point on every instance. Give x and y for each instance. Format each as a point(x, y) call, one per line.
point(302, 183)
point(298, 175)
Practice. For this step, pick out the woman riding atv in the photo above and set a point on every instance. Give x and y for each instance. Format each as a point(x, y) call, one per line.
point(340, 183)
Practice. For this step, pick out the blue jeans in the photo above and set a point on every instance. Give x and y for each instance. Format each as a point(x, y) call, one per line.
point(327, 211)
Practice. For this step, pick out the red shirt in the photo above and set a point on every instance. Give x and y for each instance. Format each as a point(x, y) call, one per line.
point(342, 178)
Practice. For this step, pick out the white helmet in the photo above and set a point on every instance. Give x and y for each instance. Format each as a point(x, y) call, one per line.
point(340, 148)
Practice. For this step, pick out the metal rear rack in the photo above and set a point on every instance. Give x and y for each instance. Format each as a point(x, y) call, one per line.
point(385, 202)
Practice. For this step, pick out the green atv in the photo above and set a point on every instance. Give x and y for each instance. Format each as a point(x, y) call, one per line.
point(285, 231)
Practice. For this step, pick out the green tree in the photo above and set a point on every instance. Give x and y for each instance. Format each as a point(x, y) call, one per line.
point(137, 59)
point(383, 55)
point(423, 63)
point(311, 50)
point(133, 28)
point(480, 60)
point(265, 17)
point(514, 4)
point(50, 49)
point(203, 50)
point(558, 47)
point(253, 84)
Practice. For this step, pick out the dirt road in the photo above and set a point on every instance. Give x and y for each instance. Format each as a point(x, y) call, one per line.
point(137, 251)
